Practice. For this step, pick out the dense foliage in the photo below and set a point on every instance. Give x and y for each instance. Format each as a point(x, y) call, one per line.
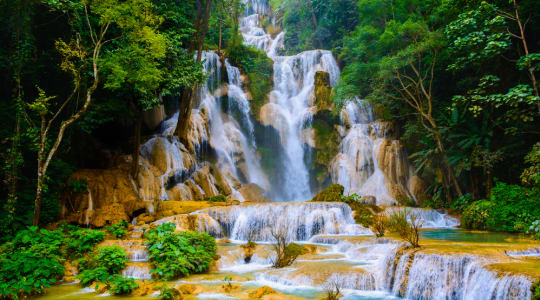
point(511, 208)
point(118, 230)
point(177, 254)
point(34, 258)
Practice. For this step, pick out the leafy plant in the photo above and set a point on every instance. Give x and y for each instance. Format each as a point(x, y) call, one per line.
point(32, 261)
point(475, 216)
point(78, 186)
point(407, 225)
point(286, 252)
point(168, 293)
point(462, 202)
point(179, 254)
point(119, 230)
point(119, 285)
point(380, 225)
point(534, 230)
point(89, 276)
point(535, 289)
point(217, 198)
point(80, 241)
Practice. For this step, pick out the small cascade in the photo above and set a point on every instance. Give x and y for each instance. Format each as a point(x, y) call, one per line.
point(532, 252)
point(302, 220)
point(429, 218)
point(369, 162)
point(138, 266)
point(90, 210)
point(432, 276)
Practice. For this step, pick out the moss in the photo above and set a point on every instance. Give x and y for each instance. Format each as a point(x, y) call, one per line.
point(326, 142)
point(259, 70)
point(535, 289)
point(332, 193)
point(322, 90)
point(363, 213)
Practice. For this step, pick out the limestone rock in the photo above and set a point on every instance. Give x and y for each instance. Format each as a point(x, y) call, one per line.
point(330, 194)
point(205, 180)
point(393, 162)
point(111, 197)
point(253, 193)
point(145, 288)
point(197, 194)
point(371, 200)
point(190, 289)
point(180, 192)
point(153, 117)
point(262, 291)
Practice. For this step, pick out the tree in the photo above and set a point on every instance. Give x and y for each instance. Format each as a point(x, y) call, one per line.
point(410, 73)
point(100, 28)
point(186, 104)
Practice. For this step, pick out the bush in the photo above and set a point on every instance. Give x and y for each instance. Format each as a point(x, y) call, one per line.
point(380, 225)
point(118, 230)
point(217, 198)
point(32, 261)
point(104, 262)
point(511, 208)
point(168, 293)
point(286, 252)
point(462, 202)
point(475, 216)
point(535, 289)
point(514, 209)
point(119, 285)
point(534, 230)
point(34, 258)
point(179, 254)
point(407, 225)
point(80, 241)
point(259, 70)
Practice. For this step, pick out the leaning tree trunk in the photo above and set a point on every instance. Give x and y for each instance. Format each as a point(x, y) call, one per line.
point(136, 145)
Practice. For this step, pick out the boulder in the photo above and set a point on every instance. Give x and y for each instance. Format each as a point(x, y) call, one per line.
point(190, 289)
point(331, 194)
point(196, 191)
point(253, 193)
point(110, 197)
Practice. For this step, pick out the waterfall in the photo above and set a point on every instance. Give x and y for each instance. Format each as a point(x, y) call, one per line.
point(303, 220)
point(429, 218)
point(369, 163)
point(432, 276)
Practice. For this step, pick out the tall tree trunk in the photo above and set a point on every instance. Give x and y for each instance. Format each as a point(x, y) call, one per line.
point(313, 16)
point(187, 97)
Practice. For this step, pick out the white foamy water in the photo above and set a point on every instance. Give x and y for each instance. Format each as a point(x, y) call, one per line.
point(302, 220)
point(429, 218)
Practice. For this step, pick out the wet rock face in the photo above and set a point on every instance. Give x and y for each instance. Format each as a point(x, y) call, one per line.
point(110, 197)
point(253, 193)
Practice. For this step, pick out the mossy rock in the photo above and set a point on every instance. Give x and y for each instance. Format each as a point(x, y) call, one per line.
point(332, 193)
point(322, 90)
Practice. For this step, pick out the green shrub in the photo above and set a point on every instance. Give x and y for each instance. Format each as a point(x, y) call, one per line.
point(119, 285)
point(535, 289)
point(80, 241)
point(462, 202)
point(333, 193)
point(514, 209)
point(112, 258)
point(217, 198)
point(534, 230)
point(179, 254)
point(32, 261)
point(407, 225)
point(89, 276)
point(168, 293)
point(259, 70)
point(475, 216)
point(119, 230)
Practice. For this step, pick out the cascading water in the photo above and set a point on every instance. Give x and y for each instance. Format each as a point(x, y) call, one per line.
point(301, 220)
point(362, 150)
